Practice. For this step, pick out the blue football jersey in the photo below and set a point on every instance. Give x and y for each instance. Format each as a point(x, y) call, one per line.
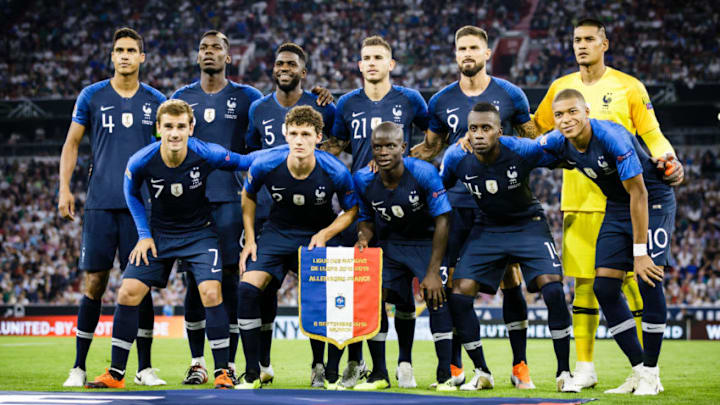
point(301, 204)
point(117, 127)
point(179, 204)
point(449, 109)
point(613, 155)
point(408, 211)
point(267, 120)
point(357, 116)
point(221, 118)
point(502, 189)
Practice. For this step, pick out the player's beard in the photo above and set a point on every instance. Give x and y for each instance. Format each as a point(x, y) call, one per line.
point(211, 71)
point(289, 86)
point(470, 72)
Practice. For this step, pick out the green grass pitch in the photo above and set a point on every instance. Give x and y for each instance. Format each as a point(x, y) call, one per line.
point(689, 369)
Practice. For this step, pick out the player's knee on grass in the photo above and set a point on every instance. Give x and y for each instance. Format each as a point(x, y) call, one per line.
point(512, 277)
point(96, 283)
point(259, 279)
point(465, 286)
point(210, 293)
point(132, 292)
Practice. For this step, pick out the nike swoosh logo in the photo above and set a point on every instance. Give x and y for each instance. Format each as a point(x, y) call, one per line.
point(375, 204)
point(449, 110)
point(244, 324)
point(156, 180)
point(273, 188)
point(358, 114)
point(193, 104)
point(215, 270)
point(656, 254)
point(557, 264)
point(470, 177)
point(105, 108)
point(268, 121)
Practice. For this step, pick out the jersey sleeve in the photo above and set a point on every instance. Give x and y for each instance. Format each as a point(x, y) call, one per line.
point(543, 115)
point(436, 123)
point(81, 112)
point(421, 119)
point(521, 106)
point(449, 165)
point(328, 114)
point(432, 184)
point(530, 150)
point(360, 182)
point(253, 139)
point(339, 129)
point(641, 109)
point(131, 187)
point(616, 141)
point(219, 157)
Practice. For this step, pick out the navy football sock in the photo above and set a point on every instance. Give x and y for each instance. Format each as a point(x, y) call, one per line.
point(355, 352)
point(250, 322)
point(456, 350)
point(146, 323)
point(218, 334)
point(559, 323)
point(268, 312)
point(230, 279)
point(619, 318)
point(377, 343)
point(653, 321)
point(468, 328)
point(405, 329)
point(88, 317)
point(332, 369)
point(125, 327)
point(441, 329)
point(194, 318)
point(515, 317)
point(318, 351)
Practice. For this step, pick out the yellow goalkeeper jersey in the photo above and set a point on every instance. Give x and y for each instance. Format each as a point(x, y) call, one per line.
point(616, 97)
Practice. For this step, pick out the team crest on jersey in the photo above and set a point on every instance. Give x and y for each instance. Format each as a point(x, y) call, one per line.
point(397, 211)
point(320, 195)
point(127, 120)
point(195, 176)
point(601, 162)
point(231, 106)
point(491, 186)
point(496, 104)
point(298, 199)
point(209, 115)
point(590, 172)
point(147, 114)
point(397, 112)
point(512, 177)
point(176, 189)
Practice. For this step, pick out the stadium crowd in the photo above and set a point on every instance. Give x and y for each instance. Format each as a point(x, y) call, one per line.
point(46, 56)
point(39, 251)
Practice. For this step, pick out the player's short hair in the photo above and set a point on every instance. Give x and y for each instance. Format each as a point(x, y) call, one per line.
point(376, 40)
point(484, 106)
point(175, 107)
point(388, 128)
point(216, 33)
point(592, 22)
point(305, 115)
point(294, 48)
point(471, 30)
point(569, 94)
point(127, 32)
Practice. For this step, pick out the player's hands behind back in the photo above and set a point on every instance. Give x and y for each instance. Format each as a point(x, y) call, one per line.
point(647, 270)
point(140, 251)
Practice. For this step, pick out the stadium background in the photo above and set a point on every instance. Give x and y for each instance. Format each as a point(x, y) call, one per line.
point(673, 48)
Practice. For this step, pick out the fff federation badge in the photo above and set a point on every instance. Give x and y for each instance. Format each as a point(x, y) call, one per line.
point(340, 294)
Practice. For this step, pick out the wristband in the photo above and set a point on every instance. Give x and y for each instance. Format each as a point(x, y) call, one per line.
point(639, 249)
